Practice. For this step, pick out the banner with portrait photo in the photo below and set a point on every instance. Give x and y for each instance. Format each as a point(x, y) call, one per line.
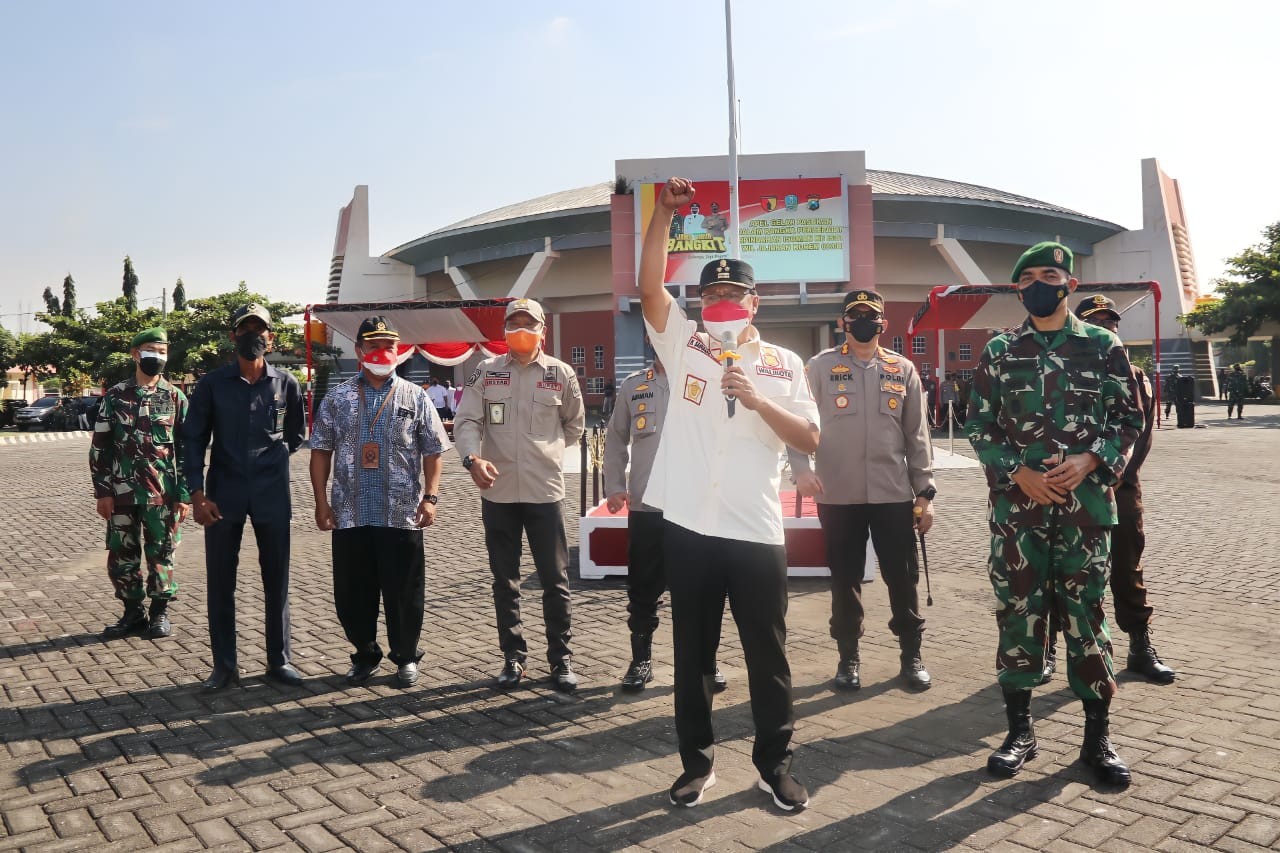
point(792, 229)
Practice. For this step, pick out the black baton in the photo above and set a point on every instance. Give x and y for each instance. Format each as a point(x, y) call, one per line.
point(928, 590)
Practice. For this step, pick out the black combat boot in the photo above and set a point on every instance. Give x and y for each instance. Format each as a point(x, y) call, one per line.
point(1097, 751)
point(158, 622)
point(847, 677)
point(1143, 658)
point(1020, 744)
point(640, 672)
point(133, 621)
point(1050, 656)
point(913, 671)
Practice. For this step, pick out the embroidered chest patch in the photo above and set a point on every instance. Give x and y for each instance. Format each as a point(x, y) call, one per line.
point(694, 388)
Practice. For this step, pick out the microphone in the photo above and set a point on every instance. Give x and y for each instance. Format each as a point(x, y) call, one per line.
point(727, 342)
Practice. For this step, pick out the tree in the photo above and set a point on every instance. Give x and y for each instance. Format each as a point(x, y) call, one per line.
point(1250, 292)
point(130, 286)
point(69, 296)
point(51, 301)
point(179, 296)
point(1250, 296)
point(8, 349)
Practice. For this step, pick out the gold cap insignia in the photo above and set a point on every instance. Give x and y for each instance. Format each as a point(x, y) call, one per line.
point(723, 270)
point(862, 297)
point(382, 327)
point(1099, 300)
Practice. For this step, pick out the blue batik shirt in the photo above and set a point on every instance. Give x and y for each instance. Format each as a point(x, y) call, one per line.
point(408, 429)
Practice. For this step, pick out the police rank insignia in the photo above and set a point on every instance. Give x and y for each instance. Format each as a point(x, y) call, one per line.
point(648, 375)
point(842, 402)
point(641, 407)
point(641, 422)
point(694, 387)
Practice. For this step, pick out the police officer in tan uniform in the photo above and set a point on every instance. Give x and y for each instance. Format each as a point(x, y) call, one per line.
point(874, 475)
point(518, 414)
point(634, 431)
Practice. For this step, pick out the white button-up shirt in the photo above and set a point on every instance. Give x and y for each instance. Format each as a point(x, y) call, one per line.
point(713, 474)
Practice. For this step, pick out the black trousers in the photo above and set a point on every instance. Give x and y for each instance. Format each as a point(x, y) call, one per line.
point(701, 571)
point(646, 576)
point(543, 524)
point(1236, 403)
point(891, 527)
point(380, 562)
point(1127, 544)
point(222, 559)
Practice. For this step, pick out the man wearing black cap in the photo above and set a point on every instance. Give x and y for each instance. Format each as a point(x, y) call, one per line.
point(253, 414)
point(381, 437)
point(736, 403)
point(1128, 540)
point(875, 477)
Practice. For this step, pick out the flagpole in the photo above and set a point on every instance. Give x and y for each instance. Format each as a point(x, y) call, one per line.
point(732, 231)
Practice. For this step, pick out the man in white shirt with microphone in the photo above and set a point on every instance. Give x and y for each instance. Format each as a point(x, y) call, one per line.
point(716, 479)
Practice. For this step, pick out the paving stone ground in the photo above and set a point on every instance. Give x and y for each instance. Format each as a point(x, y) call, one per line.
point(109, 746)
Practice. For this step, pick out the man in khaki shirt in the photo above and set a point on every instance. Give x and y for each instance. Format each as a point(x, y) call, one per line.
point(517, 416)
point(874, 476)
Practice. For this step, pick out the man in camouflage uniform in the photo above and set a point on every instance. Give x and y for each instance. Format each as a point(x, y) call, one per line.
point(1051, 418)
point(134, 462)
point(1237, 391)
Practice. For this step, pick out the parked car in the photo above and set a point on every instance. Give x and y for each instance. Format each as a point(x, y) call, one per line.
point(38, 414)
point(9, 411)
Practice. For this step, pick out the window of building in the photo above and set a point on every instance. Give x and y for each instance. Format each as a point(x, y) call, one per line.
point(599, 357)
point(580, 370)
point(578, 355)
point(918, 346)
point(896, 343)
point(926, 369)
point(966, 352)
point(965, 374)
point(595, 385)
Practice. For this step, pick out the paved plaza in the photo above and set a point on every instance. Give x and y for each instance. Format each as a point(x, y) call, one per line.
point(110, 746)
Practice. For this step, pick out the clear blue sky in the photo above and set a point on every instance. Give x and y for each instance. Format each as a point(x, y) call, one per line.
point(217, 141)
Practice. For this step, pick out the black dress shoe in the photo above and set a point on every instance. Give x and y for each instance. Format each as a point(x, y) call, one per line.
point(562, 677)
point(719, 683)
point(220, 679)
point(285, 674)
point(512, 672)
point(407, 674)
point(361, 672)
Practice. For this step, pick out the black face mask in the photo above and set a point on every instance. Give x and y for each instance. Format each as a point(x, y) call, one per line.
point(1041, 299)
point(151, 364)
point(251, 346)
point(863, 329)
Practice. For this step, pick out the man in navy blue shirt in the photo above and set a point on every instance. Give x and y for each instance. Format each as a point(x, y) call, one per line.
point(253, 413)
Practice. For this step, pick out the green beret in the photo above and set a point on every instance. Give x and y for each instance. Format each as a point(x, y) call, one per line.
point(1047, 254)
point(150, 336)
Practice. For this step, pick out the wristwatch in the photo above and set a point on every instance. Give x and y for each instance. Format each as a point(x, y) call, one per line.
point(1013, 469)
point(431, 499)
point(468, 461)
point(928, 494)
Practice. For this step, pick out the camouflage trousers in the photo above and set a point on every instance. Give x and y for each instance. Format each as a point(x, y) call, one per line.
point(133, 531)
point(1040, 573)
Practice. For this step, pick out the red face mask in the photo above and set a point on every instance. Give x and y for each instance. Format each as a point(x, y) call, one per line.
point(379, 362)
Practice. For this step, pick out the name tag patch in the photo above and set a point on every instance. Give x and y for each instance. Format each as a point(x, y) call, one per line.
point(778, 372)
point(696, 343)
point(502, 377)
point(550, 386)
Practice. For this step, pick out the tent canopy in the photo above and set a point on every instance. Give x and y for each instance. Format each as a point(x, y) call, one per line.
point(444, 332)
point(996, 306)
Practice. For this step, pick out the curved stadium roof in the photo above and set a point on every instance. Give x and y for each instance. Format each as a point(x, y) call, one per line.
point(898, 197)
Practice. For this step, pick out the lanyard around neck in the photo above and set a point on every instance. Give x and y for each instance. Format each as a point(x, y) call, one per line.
point(374, 424)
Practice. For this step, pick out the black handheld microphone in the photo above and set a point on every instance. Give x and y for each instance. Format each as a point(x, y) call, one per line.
point(727, 342)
